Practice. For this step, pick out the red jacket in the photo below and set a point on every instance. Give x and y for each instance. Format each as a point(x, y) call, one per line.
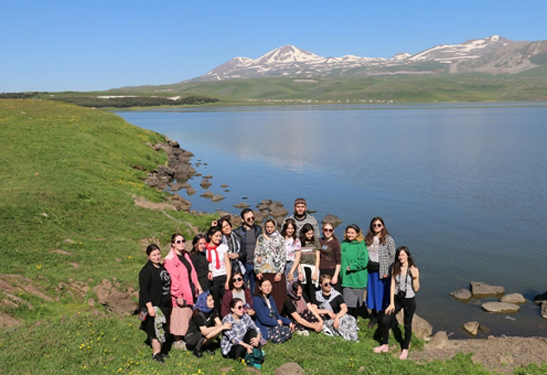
point(180, 287)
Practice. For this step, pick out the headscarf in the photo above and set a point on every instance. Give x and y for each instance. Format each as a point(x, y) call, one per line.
point(201, 303)
point(291, 291)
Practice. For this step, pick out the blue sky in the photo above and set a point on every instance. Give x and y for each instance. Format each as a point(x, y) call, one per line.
point(74, 45)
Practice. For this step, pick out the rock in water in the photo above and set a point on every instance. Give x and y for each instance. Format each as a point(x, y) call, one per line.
point(331, 219)
point(472, 328)
point(217, 198)
point(543, 310)
point(241, 205)
point(513, 298)
point(461, 294)
point(540, 298)
point(500, 307)
point(484, 290)
point(208, 194)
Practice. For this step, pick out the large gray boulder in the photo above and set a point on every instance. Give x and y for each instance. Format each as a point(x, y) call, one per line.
point(121, 303)
point(479, 289)
point(472, 328)
point(438, 341)
point(331, 219)
point(516, 298)
point(543, 310)
point(290, 368)
point(420, 327)
point(500, 307)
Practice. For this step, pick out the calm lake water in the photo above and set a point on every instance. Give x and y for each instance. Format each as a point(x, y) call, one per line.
point(464, 186)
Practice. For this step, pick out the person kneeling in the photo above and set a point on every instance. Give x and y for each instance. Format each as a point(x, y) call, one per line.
point(204, 326)
point(337, 321)
point(301, 311)
point(243, 337)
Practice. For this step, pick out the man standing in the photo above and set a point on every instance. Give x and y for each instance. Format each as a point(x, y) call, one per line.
point(249, 233)
point(301, 217)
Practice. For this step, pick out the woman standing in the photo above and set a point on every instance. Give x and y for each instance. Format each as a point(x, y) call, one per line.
point(155, 301)
point(205, 326)
point(199, 260)
point(270, 260)
point(272, 325)
point(354, 268)
point(292, 246)
point(334, 310)
point(381, 253)
point(405, 282)
point(244, 335)
point(309, 260)
point(237, 290)
point(184, 287)
point(329, 255)
point(219, 265)
point(236, 252)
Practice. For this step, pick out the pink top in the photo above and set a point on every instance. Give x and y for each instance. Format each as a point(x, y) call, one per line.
point(180, 287)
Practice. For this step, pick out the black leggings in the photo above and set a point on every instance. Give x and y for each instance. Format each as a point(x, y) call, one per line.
point(239, 351)
point(217, 290)
point(389, 321)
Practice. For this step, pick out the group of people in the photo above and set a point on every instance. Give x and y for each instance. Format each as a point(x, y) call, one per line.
point(251, 286)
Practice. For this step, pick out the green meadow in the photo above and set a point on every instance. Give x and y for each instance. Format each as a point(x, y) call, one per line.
point(68, 178)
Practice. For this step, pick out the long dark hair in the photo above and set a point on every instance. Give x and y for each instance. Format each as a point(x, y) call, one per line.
point(174, 237)
point(397, 264)
point(211, 232)
point(305, 229)
point(369, 238)
point(260, 282)
point(286, 226)
point(231, 281)
point(196, 239)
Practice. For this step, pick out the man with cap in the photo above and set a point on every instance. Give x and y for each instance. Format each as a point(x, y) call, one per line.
point(301, 217)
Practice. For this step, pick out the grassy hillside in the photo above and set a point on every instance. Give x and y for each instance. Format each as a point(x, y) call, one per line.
point(70, 173)
point(418, 88)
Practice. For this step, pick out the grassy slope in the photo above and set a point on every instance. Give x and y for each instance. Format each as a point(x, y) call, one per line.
point(75, 166)
point(398, 88)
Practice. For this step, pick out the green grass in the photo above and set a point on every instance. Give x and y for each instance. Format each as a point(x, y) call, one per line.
point(70, 173)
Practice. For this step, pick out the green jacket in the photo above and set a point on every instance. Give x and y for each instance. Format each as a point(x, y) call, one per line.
point(354, 255)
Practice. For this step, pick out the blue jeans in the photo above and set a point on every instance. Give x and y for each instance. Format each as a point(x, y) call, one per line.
point(250, 277)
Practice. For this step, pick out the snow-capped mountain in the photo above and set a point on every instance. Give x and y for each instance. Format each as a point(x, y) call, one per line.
point(472, 55)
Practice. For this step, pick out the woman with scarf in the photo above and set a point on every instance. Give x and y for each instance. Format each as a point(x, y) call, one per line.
point(236, 252)
point(270, 260)
point(381, 255)
point(298, 307)
point(205, 326)
point(184, 287)
point(237, 290)
point(219, 265)
point(334, 311)
point(272, 325)
point(155, 301)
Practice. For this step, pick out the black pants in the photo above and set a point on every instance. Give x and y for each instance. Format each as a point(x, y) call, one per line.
point(217, 291)
point(330, 272)
point(389, 321)
point(239, 351)
point(309, 287)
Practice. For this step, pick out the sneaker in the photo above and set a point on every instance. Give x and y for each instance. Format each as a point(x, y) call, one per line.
point(257, 365)
point(198, 353)
point(326, 330)
point(209, 351)
point(263, 341)
point(372, 323)
point(158, 357)
point(303, 333)
point(165, 355)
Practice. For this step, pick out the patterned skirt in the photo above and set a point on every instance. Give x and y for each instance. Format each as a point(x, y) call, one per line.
point(180, 319)
point(279, 333)
point(308, 316)
point(347, 328)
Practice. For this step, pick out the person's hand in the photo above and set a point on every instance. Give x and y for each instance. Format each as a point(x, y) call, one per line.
point(259, 260)
point(300, 277)
point(233, 256)
point(318, 327)
point(336, 323)
point(181, 302)
point(332, 315)
point(290, 277)
point(334, 280)
point(314, 276)
point(250, 312)
point(259, 276)
point(277, 278)
point(390, 309)
point(385, 276)
point(279, 322)
point(348, 269)
point(210, 276)
point(227, 326)
point(292, 326)
point(151, 312)
point(249, 349)
point(214, 223)
point(255, 341)
point(227, 285)
point(414, 272)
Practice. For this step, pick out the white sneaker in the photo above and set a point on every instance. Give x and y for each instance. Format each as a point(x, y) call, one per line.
point(303, 333)
point(180, 345)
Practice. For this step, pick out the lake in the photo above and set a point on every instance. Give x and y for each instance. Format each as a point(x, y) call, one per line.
point(464, 186)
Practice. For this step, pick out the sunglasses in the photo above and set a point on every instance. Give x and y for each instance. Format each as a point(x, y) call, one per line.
point(239, 307)
point(328, 230)
point(181, 241)
point(377, 225)
point(237, 279)
point(250, 218)
point(328, 284)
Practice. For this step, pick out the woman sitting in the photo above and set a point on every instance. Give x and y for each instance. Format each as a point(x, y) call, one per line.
point(405, 282)
point(205, 326)
point(237, 290)
point(155, 301)
point(298, 308)
point(334, 311)
point(272, 325)
point(244, 335)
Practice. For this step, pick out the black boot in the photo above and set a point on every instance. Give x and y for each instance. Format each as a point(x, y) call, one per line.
point(373, 320)
point(197, 349)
